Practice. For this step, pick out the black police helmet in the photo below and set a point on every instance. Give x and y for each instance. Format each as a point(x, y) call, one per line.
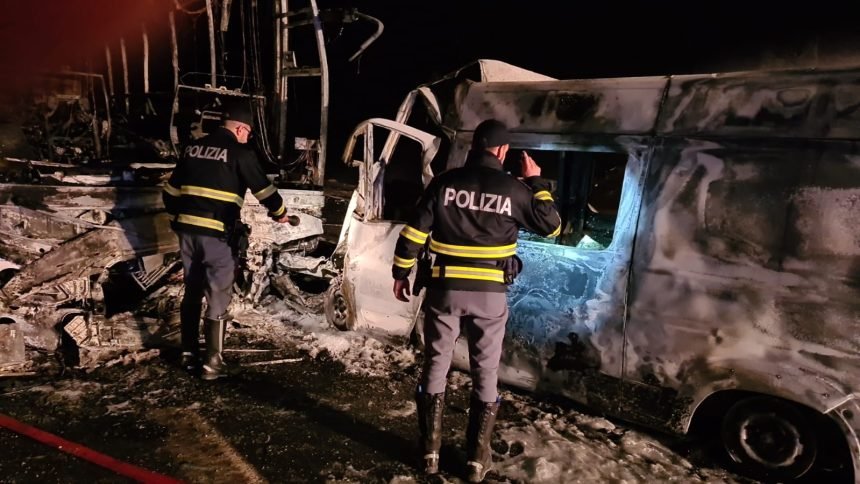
point(489, 134)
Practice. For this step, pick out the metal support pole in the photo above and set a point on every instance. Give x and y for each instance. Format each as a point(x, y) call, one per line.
point(91, 94)
point(372, 38)
point(279, 54)
point(212, 63)
point(109, 62)
point(225, 14)
point(145, 59)
point(320, 171)
point(283, 48)
point(175, 47)
point(124, 72)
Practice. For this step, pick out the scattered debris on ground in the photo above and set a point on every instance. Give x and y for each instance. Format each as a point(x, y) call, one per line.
point(337, 409)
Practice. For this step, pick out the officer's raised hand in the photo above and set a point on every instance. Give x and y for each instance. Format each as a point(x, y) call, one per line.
point(529, 167)
point(401, 289)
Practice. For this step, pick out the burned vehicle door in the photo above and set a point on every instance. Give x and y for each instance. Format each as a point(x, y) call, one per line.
point(391, 180)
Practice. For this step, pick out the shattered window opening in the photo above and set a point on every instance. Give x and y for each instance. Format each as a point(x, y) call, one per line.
point(586, 187)
point(402, 185)
point(421, 118)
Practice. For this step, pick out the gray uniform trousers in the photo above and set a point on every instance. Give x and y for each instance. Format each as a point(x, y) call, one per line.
point(209, 269)
point(483, 315)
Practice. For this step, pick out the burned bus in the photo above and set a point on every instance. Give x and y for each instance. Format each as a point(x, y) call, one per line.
point(88, 263)
point(708, 269)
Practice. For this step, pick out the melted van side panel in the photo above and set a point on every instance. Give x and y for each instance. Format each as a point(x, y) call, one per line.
point(746, 271)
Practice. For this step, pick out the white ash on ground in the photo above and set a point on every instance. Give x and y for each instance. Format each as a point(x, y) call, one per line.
point(568, 446)
point(338, 409)
point(361, 354)
point(534, 444)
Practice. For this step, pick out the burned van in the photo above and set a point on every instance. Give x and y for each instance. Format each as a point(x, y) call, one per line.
point(709, 264)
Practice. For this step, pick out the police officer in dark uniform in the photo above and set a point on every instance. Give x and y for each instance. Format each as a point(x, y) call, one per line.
point(204, 195)
point(470, 217)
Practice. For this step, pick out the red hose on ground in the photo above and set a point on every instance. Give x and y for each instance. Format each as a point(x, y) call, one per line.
point(122, 468)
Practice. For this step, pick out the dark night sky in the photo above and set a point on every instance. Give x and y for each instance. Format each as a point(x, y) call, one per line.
point(569, 39)
point(424, 39)
point(593, 39)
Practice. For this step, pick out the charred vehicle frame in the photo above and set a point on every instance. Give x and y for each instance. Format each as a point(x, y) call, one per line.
point(86, 253)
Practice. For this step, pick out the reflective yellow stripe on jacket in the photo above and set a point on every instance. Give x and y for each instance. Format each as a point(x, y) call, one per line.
point(474, 273)
point(473, 251)
point(404, 263)
point(265, 193)
point(543, 195)
point(211, 193)
point(414, 235)
point(208, 223)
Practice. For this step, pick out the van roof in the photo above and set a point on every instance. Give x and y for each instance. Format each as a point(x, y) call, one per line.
point(777, 103)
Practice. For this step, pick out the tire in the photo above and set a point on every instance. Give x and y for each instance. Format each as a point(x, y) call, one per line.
point(770, 439)
point(338, 309)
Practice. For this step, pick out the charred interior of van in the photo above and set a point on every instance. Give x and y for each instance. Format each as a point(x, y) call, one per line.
point(404, 174)
point(402, 185)
point(586, 187)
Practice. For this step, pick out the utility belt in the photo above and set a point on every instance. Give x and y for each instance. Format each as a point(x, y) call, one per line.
point(228, 228)
point(504, 271)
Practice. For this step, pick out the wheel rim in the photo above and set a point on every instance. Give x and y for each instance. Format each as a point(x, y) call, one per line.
point(771, 440)
point(341, 310)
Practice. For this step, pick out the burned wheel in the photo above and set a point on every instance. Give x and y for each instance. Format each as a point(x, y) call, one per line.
point(770, 439)
point(338, 310)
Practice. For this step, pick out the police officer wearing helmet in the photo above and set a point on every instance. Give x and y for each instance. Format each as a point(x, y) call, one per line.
point(470, 217)
point(204, 195)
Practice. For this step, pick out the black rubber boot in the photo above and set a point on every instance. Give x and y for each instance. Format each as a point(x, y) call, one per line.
point(482, 419)
point(189, 322)
point(213, 363)
point(431, 406)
